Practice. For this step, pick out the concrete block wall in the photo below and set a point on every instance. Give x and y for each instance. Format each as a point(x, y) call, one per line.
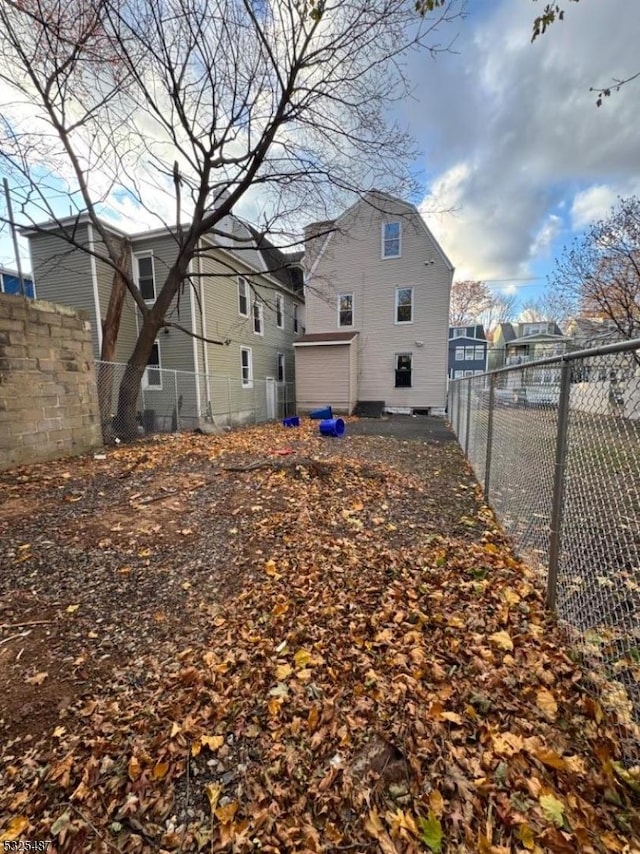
point(48, 393)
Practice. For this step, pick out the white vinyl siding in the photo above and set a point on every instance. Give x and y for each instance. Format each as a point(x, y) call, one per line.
point(351, 263)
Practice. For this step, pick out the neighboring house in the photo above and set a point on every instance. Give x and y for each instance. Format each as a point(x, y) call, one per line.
point(467, 351)
point(245, 293)
point(377, 290)
point(10, 283)
point(517, 344)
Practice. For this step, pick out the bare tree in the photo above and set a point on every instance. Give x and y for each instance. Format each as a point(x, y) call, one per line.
point(469, 300)
point(599, 274)
point(550, 305)
point(197, 103)
point(501, 310)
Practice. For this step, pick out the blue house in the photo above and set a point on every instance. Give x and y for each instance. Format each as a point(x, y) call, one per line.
point(10, 283)
point(467, 351)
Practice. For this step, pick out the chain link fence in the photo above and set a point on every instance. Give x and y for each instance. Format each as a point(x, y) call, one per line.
point(556, 445)
point(170, 401)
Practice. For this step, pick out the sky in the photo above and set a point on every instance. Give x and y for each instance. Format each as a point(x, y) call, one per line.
point(514, 144)
point(517, 159)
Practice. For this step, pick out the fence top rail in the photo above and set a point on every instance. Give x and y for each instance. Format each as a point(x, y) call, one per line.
point(564, 358)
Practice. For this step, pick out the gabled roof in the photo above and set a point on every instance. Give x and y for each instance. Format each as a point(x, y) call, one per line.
point(375, 199)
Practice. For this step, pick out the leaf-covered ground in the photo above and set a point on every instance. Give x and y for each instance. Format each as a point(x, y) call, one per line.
point(273, 641)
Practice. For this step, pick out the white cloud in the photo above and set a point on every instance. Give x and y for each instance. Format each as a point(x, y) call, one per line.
point(515, 142)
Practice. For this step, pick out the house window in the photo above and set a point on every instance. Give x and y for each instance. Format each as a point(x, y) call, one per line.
point(279, 311)
point(391, 237)
point(468, 373)
point(469, 353)
point(258, 318)
point(403, 370)
point(152, 377)
point(246, 362)
point(404, 305)
point(459, 354)
point(479, 353)
point(295, 317)
point(243, 297)
point(458, 374)
point(459, 332)
point(281, 373)
point(345, 310)
point(146, 277)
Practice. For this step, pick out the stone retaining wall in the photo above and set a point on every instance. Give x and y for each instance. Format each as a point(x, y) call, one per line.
point(48, 394)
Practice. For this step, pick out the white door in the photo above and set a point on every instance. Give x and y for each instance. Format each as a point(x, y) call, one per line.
point(270, 389)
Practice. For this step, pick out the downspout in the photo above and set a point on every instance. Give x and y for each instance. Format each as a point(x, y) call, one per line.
point(203, 324)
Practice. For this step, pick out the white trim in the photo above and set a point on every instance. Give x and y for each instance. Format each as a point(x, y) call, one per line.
point(346, 325)
point(249, 383)
point(96, 292)
point(324, 343)
point(136, 273)
point(384, 257)
point(321, 252)
point(240, 276)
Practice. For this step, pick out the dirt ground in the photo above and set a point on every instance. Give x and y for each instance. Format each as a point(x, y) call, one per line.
point(107, 561)
point(147, 595)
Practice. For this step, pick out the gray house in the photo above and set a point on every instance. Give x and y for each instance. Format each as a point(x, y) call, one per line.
point(467, 351)
point(243, 291)
point(377, 290)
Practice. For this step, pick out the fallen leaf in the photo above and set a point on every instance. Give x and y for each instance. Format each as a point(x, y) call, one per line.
point(213, 792)
point(502, 640)
point(526, 836)
point(71, 609)
point(431, 833)
point(302, 657)
point(553, 809)
point(213, 742)
point(134, 769)
point(15, 828)
point(38, 679)
point(283, 671)
point(546, 702)
point(160, 770)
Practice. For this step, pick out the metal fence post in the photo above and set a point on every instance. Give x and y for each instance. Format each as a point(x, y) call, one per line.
point(175, 384)
point(467, 426)
point(558, 484)
point(487, 465)
point(458, 408)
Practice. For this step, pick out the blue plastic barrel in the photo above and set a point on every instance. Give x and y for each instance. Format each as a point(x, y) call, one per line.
point(321, 414)
point(291, 421)
point(332, 427)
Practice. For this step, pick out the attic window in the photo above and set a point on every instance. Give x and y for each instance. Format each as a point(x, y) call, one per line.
point(391, 239)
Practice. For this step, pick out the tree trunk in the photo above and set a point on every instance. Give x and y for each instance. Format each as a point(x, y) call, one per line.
point(110, 330)
point(126, 421)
